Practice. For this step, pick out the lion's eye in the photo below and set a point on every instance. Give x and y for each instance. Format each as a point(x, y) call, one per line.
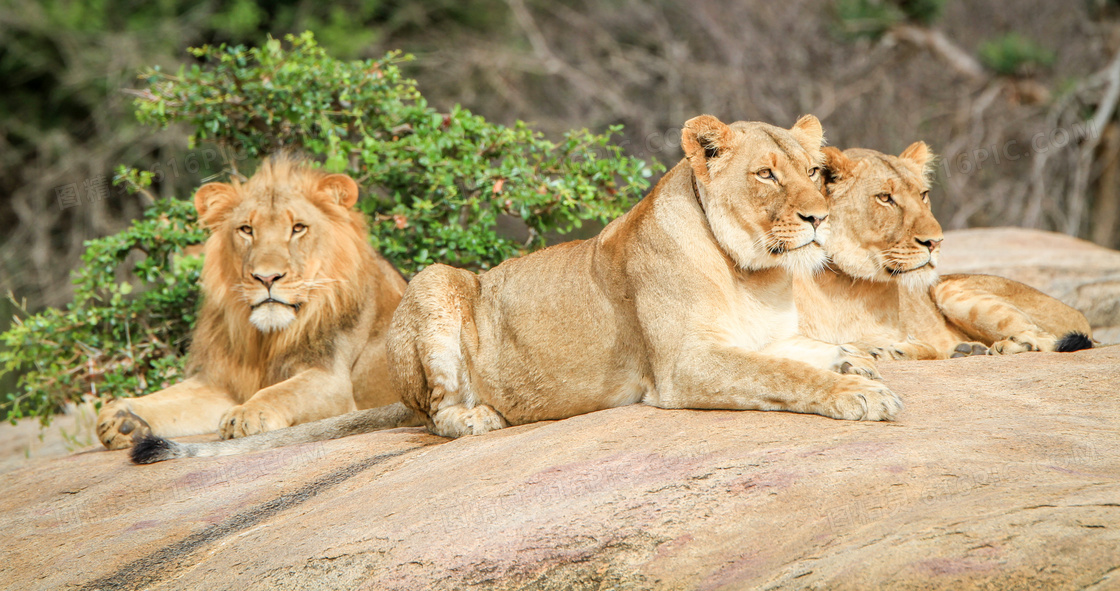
point(765, 174)
point(246, 230)
point(298, 228)
point(925, 196)
point(813, 172)
point(885, 198)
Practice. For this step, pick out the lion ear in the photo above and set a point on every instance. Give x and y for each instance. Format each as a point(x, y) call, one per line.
point(808, 132)
point(920, 154)
point(213, 200)
point(704, 139)
point(836, 164)
point(342, 189)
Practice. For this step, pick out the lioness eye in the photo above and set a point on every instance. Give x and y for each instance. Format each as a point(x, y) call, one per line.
point(885, 198)
point(813, 172)
point(296, 229)
point(246, 230)
point(765, 173)
point(925, 196)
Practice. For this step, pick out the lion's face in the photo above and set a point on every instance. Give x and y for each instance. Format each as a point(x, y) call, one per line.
point(276, 242)
point(882, 225)
point(760, 187)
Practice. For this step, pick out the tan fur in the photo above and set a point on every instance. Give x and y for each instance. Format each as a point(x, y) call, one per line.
point(684, 302)
point(881, 289)
point(315, 350)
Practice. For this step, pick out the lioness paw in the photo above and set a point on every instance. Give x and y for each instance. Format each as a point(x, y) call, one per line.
point(250, 419)
point(969, 349)
point(856, 362)
point(856, 398)
point(118, 427)
point(1023, 343)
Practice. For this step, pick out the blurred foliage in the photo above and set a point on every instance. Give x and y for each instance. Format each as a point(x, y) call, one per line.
point(64, 118)
point(438, 184)
point(110, 340)
point(1015, 55)
point(873, 18)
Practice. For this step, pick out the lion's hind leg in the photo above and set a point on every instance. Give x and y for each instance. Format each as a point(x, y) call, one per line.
point(993, 320)
point(429, 360)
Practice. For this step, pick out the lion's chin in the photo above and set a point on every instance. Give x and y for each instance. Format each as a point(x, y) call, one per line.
point(272, 317)
point(919, 279)
point(805, 260)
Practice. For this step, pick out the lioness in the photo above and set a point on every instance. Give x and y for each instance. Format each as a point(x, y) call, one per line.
point(296, 306)
point(882, 288)
point(683, 302)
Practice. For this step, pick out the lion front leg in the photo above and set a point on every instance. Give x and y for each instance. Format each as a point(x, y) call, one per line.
point(310, 395)
point(844, 359)
point(191, 407)
point(724, 377)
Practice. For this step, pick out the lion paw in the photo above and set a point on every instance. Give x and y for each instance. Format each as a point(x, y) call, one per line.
point(856, 362)
point(249, 419)
point(856, 398)
point(1022, 344)
point(118, 427)
point(888, 352)
point(969, 349)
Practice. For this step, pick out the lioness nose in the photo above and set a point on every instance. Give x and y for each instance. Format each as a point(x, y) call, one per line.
point(813, 219)
point(931, 243)
point(268, 280)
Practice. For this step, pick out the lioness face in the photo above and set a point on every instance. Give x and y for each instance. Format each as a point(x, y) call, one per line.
point(269, 235)
point(760, 187)
point(882, 225)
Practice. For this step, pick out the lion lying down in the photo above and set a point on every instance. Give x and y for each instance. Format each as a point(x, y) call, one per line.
point(296, 307)
point(683, 302)
point(881, 288)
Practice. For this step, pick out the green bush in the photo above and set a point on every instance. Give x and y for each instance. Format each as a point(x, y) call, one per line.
point(873, 18)
point(437, 186)
point(1015, 55)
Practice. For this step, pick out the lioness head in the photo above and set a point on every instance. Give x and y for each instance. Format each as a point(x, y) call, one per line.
point(279, 241)
point(882, 225)
point(760, 187)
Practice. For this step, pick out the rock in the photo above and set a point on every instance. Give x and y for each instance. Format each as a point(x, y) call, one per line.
point(1079, 273)
point(27, 439)
point(1002, 473)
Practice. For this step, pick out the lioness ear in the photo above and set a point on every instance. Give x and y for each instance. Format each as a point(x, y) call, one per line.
point(920, 154)
point(704, 139)
point(213, 200)
point(341, 188)
point(808, 132)
point(837, 166)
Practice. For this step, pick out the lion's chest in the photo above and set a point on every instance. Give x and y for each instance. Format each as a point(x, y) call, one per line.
point(761, 315)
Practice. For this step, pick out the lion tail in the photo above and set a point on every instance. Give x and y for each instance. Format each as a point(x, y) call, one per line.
point(157, 449)
point(1074, 341)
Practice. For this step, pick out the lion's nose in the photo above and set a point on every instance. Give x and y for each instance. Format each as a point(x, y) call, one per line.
point(813, 219)
point(931, 243)
point(268, 280)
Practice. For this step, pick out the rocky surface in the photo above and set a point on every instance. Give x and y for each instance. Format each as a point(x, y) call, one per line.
point(1002, 473)
point(1079, 273)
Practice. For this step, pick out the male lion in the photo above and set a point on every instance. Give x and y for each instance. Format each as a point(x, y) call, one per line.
point(296, 306)
point(683, 302)
point(882, 289)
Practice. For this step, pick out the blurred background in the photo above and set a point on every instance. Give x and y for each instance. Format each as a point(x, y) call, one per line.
point(1019, 98)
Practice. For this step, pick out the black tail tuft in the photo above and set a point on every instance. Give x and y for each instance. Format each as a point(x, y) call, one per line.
point(1074, 341)
point(151, 449)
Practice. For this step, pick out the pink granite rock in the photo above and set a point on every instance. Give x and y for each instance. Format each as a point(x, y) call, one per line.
point(1002, 473)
